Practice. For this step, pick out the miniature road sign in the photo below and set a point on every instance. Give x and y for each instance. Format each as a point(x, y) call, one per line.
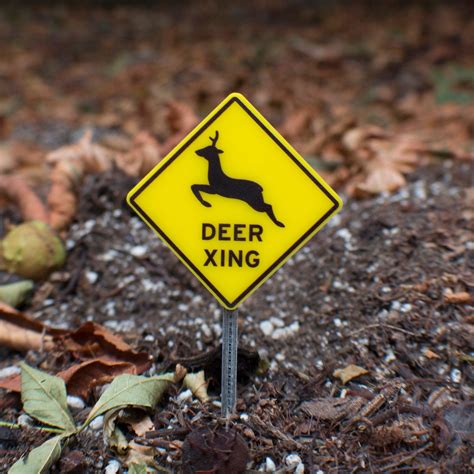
point(234, 201)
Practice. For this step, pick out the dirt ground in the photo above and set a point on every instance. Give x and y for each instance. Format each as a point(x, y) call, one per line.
point(374, 288)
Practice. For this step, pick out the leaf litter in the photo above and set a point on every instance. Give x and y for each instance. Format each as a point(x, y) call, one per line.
point(365, 106)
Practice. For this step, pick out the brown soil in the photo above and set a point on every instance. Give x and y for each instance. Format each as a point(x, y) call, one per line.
point(368, 290)
point(373, 289)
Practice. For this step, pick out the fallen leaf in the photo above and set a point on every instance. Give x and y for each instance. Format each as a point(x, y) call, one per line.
point(21, 332)
point(93, 340)
point(198, 385)
point(15, 294)
point(142, 426)
point(17, 191)
point(113, 435)
point(350, 372)
point(181, 120)
point(70, 164)
point(131, 390)
point(331, 408)
point(44, 398)
point(137, 468)
point(40, 459)
point(21, 339)
point(141, 457)
point(216, 450)
point(12, 383)
point(82, 378)
point(462, 297)
point(142, 156)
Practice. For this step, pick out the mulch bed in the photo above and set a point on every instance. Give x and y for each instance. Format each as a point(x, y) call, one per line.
point(372, 290)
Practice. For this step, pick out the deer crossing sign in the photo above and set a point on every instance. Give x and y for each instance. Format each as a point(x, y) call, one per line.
point(234, 201)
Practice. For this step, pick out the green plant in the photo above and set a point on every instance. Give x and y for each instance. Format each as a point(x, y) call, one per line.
point(44, 398)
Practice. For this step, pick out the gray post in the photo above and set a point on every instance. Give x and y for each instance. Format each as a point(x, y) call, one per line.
point(229, 361)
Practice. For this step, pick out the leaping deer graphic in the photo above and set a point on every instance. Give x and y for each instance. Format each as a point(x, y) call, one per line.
point(225, 186)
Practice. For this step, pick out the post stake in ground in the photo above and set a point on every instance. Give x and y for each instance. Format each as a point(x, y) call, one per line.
point(229, 361)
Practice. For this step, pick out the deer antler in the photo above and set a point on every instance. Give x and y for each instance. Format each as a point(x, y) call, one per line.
point(214, 140)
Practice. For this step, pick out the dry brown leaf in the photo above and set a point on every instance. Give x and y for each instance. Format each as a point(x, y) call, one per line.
point(82, 378)
point(140, 454)
point(12, 383)
point(181, 120)
point(16, 190)
point(141, 157)
point(71, 163)
point(93, 340)
point(350, 372)
point(21, 339)
point(21, 332)
point(386, 162)
point(7, 160)
point(462, 297)
point(295, 123)
point(332, 409)
point(142, 426)
point(198, 385)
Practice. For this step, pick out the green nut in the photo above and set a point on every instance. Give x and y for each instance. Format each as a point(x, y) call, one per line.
point(32, 250)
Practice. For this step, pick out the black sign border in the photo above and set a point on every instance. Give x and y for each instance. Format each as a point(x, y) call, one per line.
point(191, 139)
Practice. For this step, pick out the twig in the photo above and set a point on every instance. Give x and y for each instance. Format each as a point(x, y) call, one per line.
point(377, 325)
point(406, 458)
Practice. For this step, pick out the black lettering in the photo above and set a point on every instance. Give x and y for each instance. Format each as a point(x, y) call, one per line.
point(208, 231)
point(210, 257)
point(237, 257)
point(252, 263)
point(222, 258)
point(255, 231)
point(238, 231)
point(223, 230)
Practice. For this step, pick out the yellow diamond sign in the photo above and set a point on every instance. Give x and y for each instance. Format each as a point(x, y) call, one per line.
point(234, 201)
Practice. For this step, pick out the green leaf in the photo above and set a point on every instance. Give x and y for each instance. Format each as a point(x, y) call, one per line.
point(40, 459)
point(137, 469)
point(131, 390)
point(114, 436)
point(16, 293)
point(44, 398)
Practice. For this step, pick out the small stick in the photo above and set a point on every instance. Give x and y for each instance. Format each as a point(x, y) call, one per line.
point(229, 362)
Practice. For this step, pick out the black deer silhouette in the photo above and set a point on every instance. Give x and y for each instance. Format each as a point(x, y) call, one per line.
point(225, 186)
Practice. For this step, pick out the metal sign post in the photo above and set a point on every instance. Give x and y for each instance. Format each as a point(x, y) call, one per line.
point(229, 361)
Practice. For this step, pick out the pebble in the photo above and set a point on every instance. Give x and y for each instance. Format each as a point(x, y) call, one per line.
point(406, 308)
point(269, 465)
point(299, 468)
point(91, 276)
point(244, 417)
point(75, 402)
point(25, 420)
point(266, 327)
point(281, 333)
point(97, 423)
point(139, 251)
point(8, 371)
point(113, 467)
point(456, 376)
point(184, 396)
point(292, 460)
point(277, 322)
